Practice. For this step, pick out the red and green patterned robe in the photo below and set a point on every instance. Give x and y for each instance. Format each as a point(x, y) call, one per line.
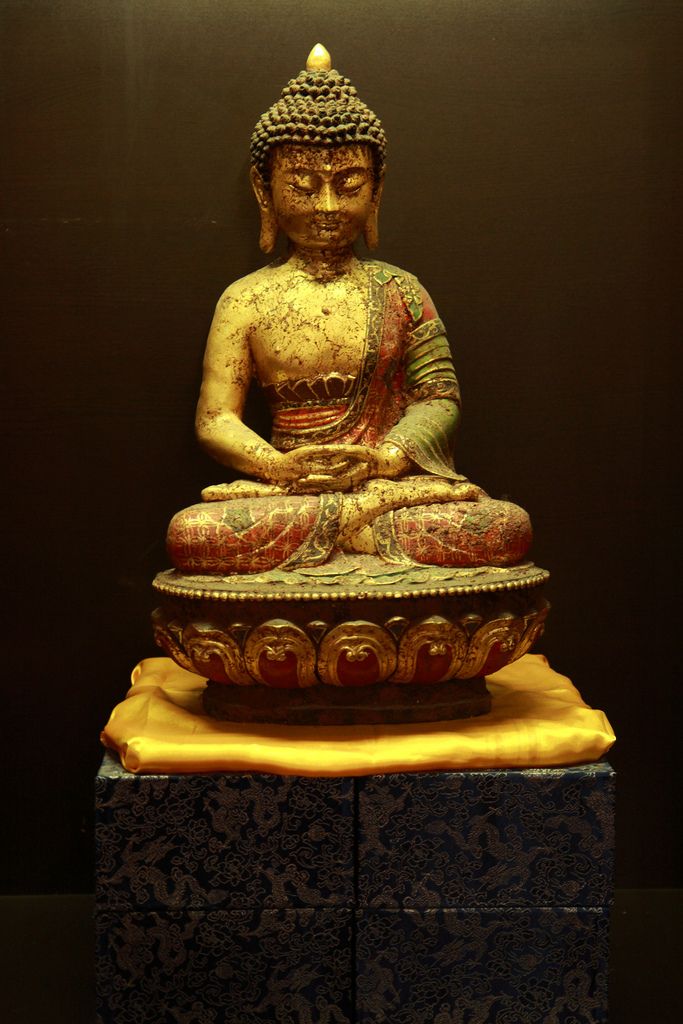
point(406, 392)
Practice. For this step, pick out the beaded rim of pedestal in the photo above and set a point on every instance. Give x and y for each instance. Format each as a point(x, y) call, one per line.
point(362, 650)
point(347, 579)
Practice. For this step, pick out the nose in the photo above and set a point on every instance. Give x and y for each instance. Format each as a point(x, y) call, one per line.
point(328, 201)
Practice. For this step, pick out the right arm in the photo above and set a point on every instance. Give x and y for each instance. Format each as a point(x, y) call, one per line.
point(228, 370)
point(226, 376)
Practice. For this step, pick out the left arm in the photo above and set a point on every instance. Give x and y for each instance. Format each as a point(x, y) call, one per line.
point(426, 432)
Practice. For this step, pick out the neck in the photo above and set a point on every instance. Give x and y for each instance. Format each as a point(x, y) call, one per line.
point(324, 264)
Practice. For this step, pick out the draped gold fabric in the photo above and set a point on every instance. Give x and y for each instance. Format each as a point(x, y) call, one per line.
point(538, 719)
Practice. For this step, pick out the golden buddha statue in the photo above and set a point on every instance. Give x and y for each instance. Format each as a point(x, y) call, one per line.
point(398, 583)
point(355, 365)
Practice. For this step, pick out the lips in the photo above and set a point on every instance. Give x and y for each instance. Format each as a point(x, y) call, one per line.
point(327, 223)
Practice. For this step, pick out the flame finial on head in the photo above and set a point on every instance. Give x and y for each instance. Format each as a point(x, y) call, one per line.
point(319, 59)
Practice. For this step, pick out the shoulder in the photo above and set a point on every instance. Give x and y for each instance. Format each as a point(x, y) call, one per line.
point(414, 297)
point(246, 288)
point(385, 272)
point(241, 300)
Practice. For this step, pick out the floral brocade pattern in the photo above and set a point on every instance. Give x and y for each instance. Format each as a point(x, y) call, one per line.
point(479, 967)
point(228, 840)
point(475, 897)
point(541, 837)
point(280, 966)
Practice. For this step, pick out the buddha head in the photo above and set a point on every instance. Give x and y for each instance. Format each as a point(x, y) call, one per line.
point(318, 162)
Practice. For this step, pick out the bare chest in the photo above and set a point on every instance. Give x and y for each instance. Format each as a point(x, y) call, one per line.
point(306, 329)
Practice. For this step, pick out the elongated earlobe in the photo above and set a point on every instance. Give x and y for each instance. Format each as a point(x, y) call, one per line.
point(371, 229)
point(268, 234)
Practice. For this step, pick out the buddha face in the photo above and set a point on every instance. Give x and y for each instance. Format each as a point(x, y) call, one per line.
point(322, 196)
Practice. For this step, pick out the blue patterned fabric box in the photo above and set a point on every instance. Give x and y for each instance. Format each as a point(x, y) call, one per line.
point(517, 838)
point(223, 898)
point(200, 842)
point(483, 897)
point(224, 966)
point(421, 898)
point(507, 966)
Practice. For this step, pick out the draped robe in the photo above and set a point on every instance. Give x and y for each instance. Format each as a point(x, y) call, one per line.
point(405, 392)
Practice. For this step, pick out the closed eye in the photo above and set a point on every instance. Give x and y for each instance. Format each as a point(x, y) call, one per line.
point(350, 182)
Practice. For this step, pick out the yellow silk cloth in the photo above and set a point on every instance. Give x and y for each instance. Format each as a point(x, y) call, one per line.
point(537, 719)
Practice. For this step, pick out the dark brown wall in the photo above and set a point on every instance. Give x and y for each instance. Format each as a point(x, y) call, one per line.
point(534, 155)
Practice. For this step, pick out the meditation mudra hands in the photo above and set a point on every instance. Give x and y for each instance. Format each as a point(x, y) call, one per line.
point(318, 469)
point(368, 476)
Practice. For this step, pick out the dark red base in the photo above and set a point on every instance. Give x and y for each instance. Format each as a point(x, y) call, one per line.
point(348, 705)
